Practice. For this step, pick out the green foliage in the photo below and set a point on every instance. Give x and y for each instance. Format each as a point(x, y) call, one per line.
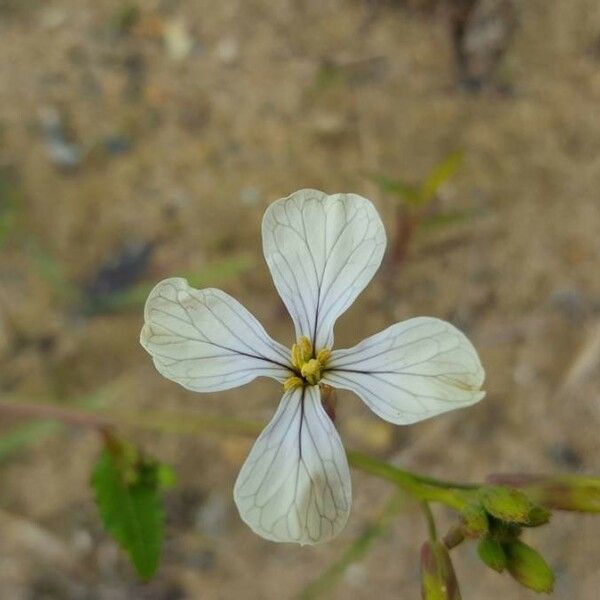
point(127, 488)
point(407, 193)
point(421, 194)
point(445, 219)
point(440, 175)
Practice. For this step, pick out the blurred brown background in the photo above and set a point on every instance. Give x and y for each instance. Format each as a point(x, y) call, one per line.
point(140, 140)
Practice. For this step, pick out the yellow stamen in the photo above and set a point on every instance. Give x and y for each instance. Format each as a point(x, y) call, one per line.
point(311, 371)
point(292, 382)
point(301, 352)
point(323, 356)
point(308, 368)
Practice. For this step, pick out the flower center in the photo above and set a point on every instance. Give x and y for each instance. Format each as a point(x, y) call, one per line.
point(309, 369)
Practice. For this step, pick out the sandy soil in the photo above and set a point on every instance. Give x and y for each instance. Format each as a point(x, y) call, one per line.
point(180, 125)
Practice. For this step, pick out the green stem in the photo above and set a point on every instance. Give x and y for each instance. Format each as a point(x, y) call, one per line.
point(421, 487)
point(431, 528)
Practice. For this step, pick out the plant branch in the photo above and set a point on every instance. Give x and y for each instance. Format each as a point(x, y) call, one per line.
point(55, 412)
point(431, 528)
point(421, 487)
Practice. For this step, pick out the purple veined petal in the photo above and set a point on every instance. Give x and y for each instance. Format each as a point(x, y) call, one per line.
point(206, 341)
point(411, 371)
point(322, 252)
point(295, 484)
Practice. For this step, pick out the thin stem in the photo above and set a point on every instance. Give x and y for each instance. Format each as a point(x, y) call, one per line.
point(431, 529)
point(54, 412)
point(420, 487)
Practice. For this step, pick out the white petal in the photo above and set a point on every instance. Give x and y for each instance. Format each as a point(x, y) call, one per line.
point(322, 251)
point(295, 483)
point(207, 341)
point(411, 371)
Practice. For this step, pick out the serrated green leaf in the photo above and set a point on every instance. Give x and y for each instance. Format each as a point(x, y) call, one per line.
point(131, 510)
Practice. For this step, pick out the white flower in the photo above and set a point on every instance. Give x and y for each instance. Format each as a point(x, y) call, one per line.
point(322, 251)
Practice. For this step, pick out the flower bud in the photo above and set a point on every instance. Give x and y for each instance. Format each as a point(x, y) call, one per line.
point(513, 506)
point(492, 553)
point(538, 515)
point(566, 492)
point(528, 567)
point(474, 520)
point(438, 580)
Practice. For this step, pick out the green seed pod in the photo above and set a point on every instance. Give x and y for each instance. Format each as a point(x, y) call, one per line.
point(438, 580)
point(528, 567)
point(492, 553)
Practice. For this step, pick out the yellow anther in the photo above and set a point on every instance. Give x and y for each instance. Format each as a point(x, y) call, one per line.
point(323, 356)
point(302, 352)
point(292, 382)
point(311, 371)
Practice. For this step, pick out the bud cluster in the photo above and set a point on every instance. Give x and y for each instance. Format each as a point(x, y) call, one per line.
point(496, 515)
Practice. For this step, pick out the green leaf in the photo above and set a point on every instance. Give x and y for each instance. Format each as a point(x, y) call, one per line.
point(440, 174)
point(127, 495)
point(409, 194)
point(445, 219)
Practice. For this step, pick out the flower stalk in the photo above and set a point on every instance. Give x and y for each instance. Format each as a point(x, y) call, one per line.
point(420, 487)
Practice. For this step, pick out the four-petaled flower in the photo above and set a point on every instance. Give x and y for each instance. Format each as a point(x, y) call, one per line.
point(322, 251)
